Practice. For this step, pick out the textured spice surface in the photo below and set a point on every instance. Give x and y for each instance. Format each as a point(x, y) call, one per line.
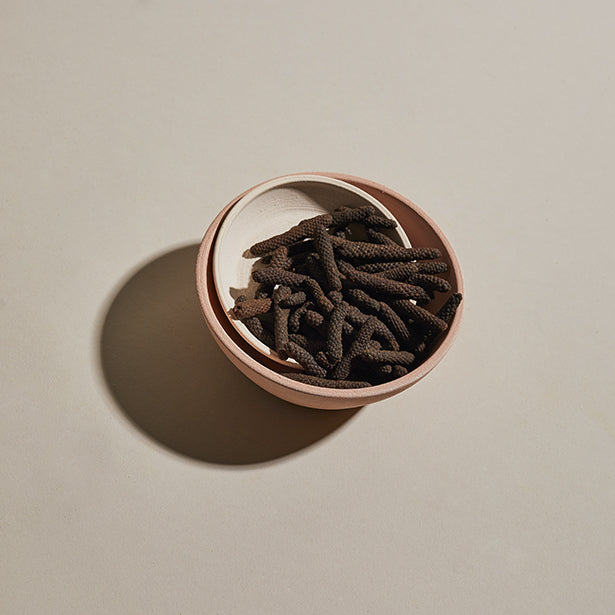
point(326, 382)
point(280, 322)
point(305, 359)
point(334, 334)
point(379, 284)
point(296, 233)
point(447, 311)
point(252, 307)
point(373, 251)
point(342, 369)
point(351, 313)
point(322, 241)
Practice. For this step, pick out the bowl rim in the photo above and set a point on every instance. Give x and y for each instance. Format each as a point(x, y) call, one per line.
point(240, 205)
point(361, 396)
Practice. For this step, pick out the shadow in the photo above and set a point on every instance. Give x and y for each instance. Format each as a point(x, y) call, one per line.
point(171, 380)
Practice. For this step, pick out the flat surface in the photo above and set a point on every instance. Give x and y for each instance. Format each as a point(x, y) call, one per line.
point(141, 473)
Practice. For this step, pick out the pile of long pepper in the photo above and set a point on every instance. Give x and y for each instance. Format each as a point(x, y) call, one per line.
point(352, 313)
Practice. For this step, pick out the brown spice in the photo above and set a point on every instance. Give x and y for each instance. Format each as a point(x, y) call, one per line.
point(294, 300)
point(399, 357)
point(322, 241)
point(372, 251)
point(382, 285)
point(302, 230)
point(342, 369)
point(419, 315)
point(280, 322)
point(377, 237)
point(404, 272)
point(334, 335)
point(431, 282)
point(251, 307)
point(357, 319)
point(317, 293)
point(432, 267)
point(275, 275)
point(447, 311)
point(327, 382)
point(313, 318)
point(305, 359)
point(294, 320)
point(379, 222)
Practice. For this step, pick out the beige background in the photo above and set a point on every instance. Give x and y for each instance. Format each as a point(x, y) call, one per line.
point(141, 473)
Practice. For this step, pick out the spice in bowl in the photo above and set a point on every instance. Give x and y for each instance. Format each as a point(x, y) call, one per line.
point(345, 301)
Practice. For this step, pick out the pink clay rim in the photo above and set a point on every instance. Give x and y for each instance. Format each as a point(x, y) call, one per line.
point(379, 391)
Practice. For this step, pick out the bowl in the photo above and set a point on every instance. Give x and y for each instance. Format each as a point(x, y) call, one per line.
point(269, 209)
point(268, 373)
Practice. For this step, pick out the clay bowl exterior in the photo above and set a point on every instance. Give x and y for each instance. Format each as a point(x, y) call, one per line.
point(266, 373)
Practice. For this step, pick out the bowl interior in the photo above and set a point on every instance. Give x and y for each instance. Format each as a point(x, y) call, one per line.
point(267, 210)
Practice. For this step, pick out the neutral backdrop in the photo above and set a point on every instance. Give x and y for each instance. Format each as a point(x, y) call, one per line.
point(142, 473)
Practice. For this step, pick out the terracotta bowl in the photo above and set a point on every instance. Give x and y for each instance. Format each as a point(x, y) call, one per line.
point(266, 372)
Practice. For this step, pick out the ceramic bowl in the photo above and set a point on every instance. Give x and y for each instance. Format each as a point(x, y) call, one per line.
point(269, 209)
point(268, 373)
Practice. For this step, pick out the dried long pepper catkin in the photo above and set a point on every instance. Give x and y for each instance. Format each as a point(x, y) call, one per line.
point(318, 295)
point(294, 300)
point(362, 299)
point(378, 267)
point(399, 371)
point(372, 251)
point(334, 335)
point(392, 357)
point(312, 267)
point(403, 273)
point(357, 319)
point(379, 284)
point(296, 233)
point(251, 307)
point(447, 311)
point(298, 250)
point(379, 222)
point(431, 282)
point(387, 314)
point(335, 296)
point(327, 382)
point(384, 370)
point(255, 326)
point(279, 258)
point(378, 237)
point(432, 267)
point(323, 360)
point(347, 215)
point(313, 318)
point(294, 320)
point(342, 369)
point(420, 315)
point(300, 339)
point(394, 322)
point(275, 275)
point(305, 359)
point(322, 241)
point(280, 316)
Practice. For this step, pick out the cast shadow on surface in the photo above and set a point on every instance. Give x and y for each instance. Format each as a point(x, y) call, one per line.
point(171, 380)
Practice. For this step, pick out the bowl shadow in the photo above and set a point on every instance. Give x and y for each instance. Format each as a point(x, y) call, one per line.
point(170, 379)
